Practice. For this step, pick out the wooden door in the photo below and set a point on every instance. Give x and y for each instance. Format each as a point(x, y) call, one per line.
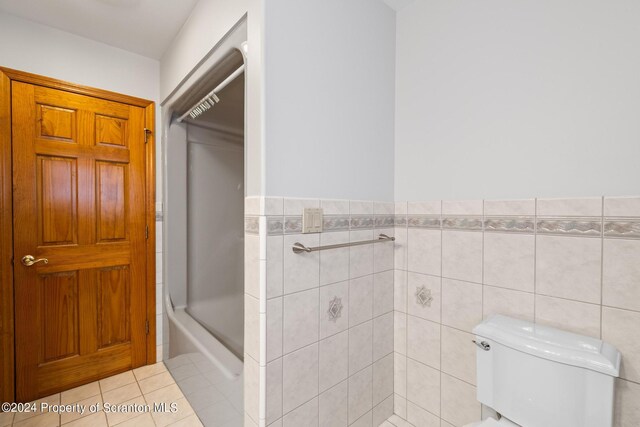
point(79, 203)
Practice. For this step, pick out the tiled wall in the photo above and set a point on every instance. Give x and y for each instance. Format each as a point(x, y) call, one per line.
point(573, 264)
point(319, 326)
point(159, 304)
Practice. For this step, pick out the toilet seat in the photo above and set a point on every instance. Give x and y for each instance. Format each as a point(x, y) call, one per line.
point(491, 422)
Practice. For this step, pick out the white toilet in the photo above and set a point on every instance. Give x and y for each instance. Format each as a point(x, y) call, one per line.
point(538, 376)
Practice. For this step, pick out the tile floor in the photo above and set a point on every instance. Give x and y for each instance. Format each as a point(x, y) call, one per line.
point(202, 393)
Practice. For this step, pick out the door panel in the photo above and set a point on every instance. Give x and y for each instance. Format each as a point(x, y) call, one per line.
point(79, 202)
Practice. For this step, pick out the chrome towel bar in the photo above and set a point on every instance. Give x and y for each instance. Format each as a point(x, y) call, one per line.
point(299, 247)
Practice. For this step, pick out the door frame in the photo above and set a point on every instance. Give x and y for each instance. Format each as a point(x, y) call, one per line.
point(7, 336)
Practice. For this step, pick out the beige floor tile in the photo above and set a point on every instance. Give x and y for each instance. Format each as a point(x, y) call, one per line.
point(97, 419)
point(49, 419)
point(190, 421)
point(155, 382)
point(117, 381)
point(144, 420)
point(54, 399)
point(87, 403)
point(119, 416)
point(6, 418)
point(149, 370)
point(167, 394)
point(163, 419)
point(80, 393)
point(122, 394)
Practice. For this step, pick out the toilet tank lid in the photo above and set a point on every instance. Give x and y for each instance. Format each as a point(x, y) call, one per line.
point(551, 343)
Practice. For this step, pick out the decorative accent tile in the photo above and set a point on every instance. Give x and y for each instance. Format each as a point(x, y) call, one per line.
point(510, 224)
point(293, 225)
point(575, 226)
point(627, 228)
point(335, 309)
point(423, 296)
point(462, 223)
point(335, 223)
point(384, 221)
point(400, 220)
point(275, 225)
point(423, 221)
point(361, 221)
point(252, 225)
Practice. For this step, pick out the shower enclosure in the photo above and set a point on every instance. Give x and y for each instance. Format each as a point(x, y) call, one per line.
point(204, 211)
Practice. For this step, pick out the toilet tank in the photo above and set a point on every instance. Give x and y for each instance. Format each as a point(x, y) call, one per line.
point(538, 376)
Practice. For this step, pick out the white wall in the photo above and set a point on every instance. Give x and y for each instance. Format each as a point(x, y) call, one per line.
point(517, 99)
point(27, 46)
point(329, 86)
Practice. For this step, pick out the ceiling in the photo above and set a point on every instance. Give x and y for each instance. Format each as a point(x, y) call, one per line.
point(146, 27)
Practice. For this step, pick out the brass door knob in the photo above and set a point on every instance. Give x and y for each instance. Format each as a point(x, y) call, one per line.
point(29, 260)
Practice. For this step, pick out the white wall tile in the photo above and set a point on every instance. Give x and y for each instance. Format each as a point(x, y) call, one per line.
point(333, 406)
point(383, 253)
point(462, 255)
point(462, 207)
point(383, 292)
point(433, 285)
point(295, 207)
point(433, 207)
point(423, 386)
point(382, 335)
point(523, 207)
point(572, 316)
point(360, 393)
point(360, 346)
point(334, 263)
point(569, 267)
point(509, 260)
point(334, 207)
point(458, 354)
point(252, 265)
point(383, 411)
point(274, 391)
point(300, 319)
point(419, 417)
point(424, 250)
point(275, 256)
point(400, 332)
point(400, 248)
point(400, 290)
point(423, 341)
point(400, 374)
point(361, 207)
point(360, 257)
point(508, 302)
point(461, 304)
point(459, 404)
point(273, 206)
point(364, 421)
point(399, 406)
point(251, 393)
point(620, 329)
point(252, 327)
point(299, 377)
point(382, 379)
point(360, 300)
point(570, 207)
point(400, 208)
point(621, 273)
point(622, 206)
point(383, 208)
point(334, 360)
point(305, 415)
point(274, 328)
point(627, 409)
point(328, 325)
point(301, 271)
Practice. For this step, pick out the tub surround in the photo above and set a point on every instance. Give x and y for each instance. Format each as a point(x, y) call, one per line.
point(325, 329)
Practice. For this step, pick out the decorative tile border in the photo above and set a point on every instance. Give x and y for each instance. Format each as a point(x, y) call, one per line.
point(462, 223)
point(275, 225)
point(423, 221)
point(335, 223)
point(384, 221)
point(252, 225)
point(159, 215)
point(570, 226)
point(400, 220)
point(510, 224)
point(359, 222)
point(292, 224)
point(625, 228)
